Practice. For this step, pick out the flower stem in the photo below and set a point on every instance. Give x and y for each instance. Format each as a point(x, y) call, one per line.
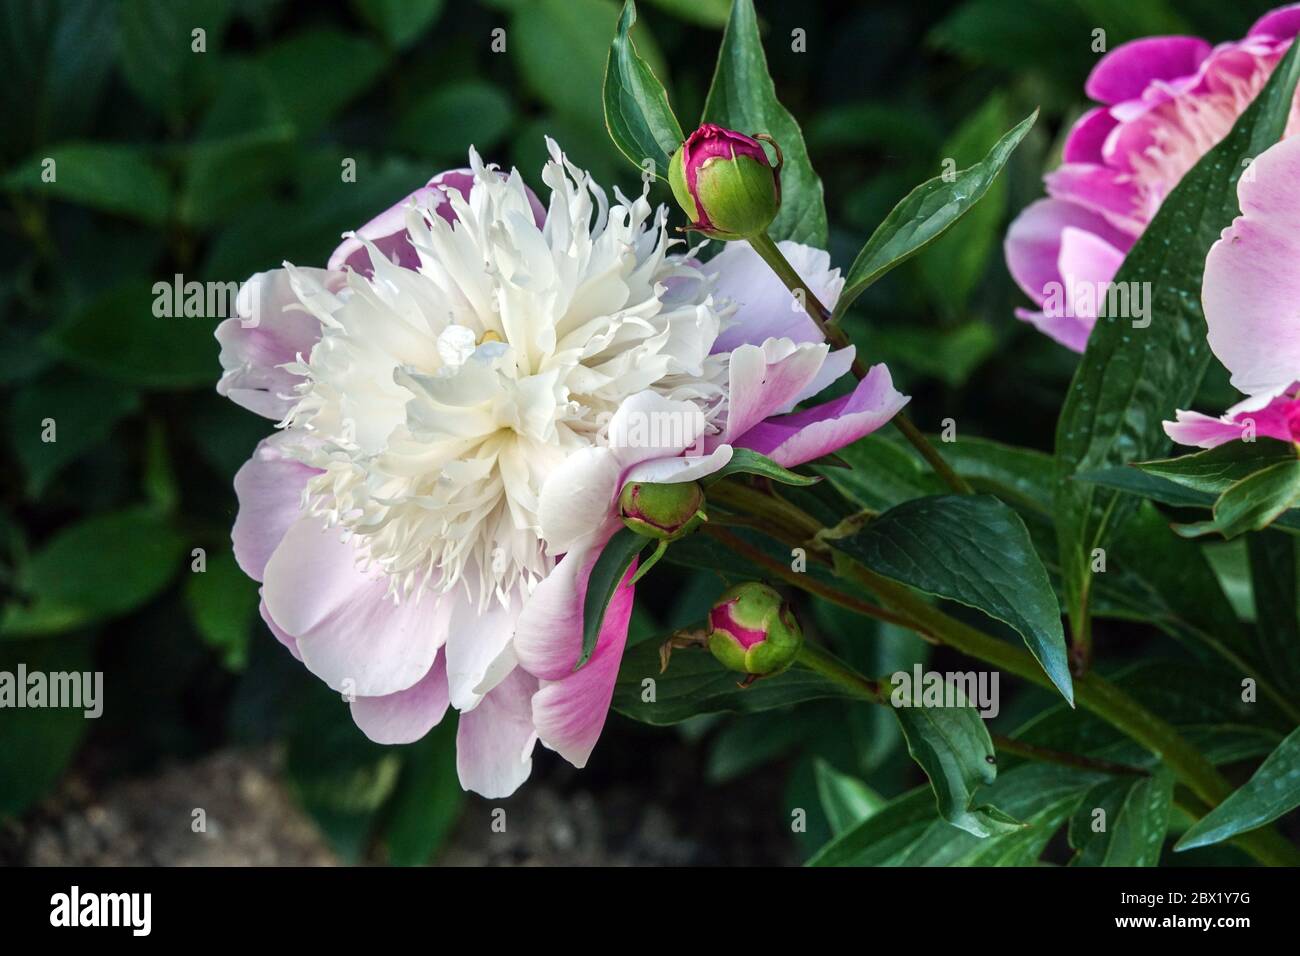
point(817, 311)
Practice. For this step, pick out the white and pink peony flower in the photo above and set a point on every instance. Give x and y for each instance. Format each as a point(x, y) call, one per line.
point(1165, 102)
point(460, 397)
point(1250, 295)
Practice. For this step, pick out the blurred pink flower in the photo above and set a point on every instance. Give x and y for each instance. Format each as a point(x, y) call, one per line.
point(1165, 102)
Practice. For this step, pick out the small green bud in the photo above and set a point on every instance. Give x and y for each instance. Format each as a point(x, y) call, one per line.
point(753, 631)
point(723, 181)
point(664, 512)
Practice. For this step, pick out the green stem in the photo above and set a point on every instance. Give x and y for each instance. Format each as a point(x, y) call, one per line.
point(816, 309)
point(818, 659)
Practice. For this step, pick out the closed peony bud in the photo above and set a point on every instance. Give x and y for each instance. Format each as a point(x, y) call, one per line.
point(724, 182)
point(662, 512)
point(752, 630)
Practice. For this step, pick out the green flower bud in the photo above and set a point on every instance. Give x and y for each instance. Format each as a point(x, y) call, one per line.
point(753, 631)
point(664, 512)
point(723, 181)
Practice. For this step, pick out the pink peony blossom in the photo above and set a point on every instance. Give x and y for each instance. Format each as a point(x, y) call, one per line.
point(1250, 292)
point(460, 397)
point(1166, 101)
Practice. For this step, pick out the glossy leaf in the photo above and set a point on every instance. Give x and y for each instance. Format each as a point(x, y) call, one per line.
point(745, 461)
point(975, 550)
point(637, 113)
point(607, 575)
point(925, 214)
point(1273, 790)
point(1130, 828)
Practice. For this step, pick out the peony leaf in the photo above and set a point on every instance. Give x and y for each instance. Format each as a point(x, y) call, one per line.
point(1272, 791)
point(1132, 830)
point(925, 214)
point(637, 113)
point(745, 461)
point(975, 550)
point(606, 576)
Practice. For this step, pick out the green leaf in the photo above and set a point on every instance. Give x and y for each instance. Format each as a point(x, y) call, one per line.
point(1273, 790)
point(743, 97)
point(1132, 379)
point(341, 778)
point(83, 411)
point(1133, 821)
point(316, 73)
point(709, 13)
point(953, 748)
point(562, 48)
point(1273, 576)
point(428, 799)
point(400, 22)
point(637, 113)
point(975, 550)
point(480, 114)
point(1253, 503)
point(38, 743)
point(1214, 470)
point(952, 266)
point(102, 567)
point(158, 60)
point(696, 684)
point(925, 214)
point(108, 177)
point(746, 461)
point(908, 832)
point(223, 604)
point(606, 576)
point(846, 801)
point(118, 336)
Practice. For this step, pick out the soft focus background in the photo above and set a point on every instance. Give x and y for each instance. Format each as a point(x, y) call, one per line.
point(219, 164)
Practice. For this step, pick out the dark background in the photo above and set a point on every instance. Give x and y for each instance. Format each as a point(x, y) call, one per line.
point(221, 164)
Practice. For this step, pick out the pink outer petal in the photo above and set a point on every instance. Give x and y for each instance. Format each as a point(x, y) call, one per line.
point(1127, 70)
point(269, 488)
point(1277, 419)
point(548, 633)
point(1280, 24)
point(1033, 243)
point(269, 329)
point(1088, 137)
point(408, 715)
point(277, 631)
point(570, 708)
point(1252, 277)
point(766, 380)
point(670, 471)
point(350, 633)
point(1108, 192)
point(766, 307)
point(794, 439)
point(388, 230)
point(494, 742)
point(1069, 330)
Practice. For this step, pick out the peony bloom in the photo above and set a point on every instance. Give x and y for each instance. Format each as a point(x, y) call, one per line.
point(1166, 101)
point(460, 397)
point(1251, 287)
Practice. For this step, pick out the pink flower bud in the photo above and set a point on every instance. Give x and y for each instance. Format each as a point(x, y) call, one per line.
point(753, 631)
point(725, 184)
